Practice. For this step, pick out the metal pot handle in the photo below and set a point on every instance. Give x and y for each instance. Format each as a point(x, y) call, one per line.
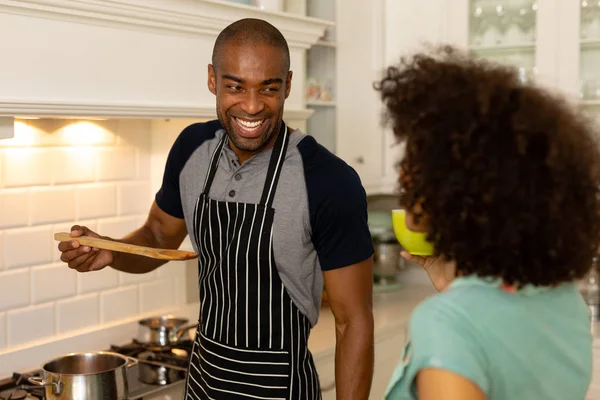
point(184, 329)
point(131, 362)
point(57, 387)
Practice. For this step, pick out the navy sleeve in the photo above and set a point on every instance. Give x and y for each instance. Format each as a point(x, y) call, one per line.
point(337, 206)
point(168, 197)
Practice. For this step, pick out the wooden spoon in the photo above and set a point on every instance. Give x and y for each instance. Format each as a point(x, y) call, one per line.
point(161, 254)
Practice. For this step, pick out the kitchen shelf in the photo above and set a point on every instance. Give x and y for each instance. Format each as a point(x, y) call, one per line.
point(326, 43)
point(319, 103)
point(504, 48)
point(589, 103)
point(590, 44)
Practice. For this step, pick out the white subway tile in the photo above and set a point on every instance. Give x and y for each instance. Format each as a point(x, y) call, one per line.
point(144, 160)
point(117, 227)
point(116, 163)
point(66, 227)
point(74, 165)
point(156, 295)
point(134, 198)
point(127, 279)
point(52, 282)
point(29, 324)
point(27, 167)
point(52, 204)
point(86, 133)
point(2, 330)
point(14, 289)
point(77, 313)
point(28, 246)
point(134, 132)
point(118, 304)
point(93, 281)
point(14, 208)
point(180, 291)
point(96, 201)
point(173, 269)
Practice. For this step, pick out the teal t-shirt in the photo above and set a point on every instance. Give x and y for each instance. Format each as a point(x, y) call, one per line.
point(532, 344)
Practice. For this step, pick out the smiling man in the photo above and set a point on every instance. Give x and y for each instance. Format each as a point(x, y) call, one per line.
point(274, 216)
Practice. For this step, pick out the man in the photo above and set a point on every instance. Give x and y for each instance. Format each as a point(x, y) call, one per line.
point(272, 214)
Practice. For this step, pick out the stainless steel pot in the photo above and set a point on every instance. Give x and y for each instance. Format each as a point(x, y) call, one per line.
point(387, 261)
point(85, 376)
point(154, 372)
point(163, 331)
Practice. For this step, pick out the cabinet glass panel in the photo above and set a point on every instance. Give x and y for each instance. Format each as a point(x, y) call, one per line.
point(505, 31)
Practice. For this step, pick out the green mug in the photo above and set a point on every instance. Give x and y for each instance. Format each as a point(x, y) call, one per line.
point(414, 243)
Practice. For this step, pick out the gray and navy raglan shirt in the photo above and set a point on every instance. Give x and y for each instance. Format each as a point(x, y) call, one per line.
point(320, 221)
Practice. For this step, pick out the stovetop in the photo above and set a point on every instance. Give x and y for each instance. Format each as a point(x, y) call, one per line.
point(171, 359)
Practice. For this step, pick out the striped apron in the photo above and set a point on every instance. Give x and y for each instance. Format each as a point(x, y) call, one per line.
point(251, 340)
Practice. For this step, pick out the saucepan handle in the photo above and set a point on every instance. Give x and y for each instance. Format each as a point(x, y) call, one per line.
point(131, 362)
point(39, 381)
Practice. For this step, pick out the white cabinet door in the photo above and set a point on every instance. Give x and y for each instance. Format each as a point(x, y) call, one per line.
point(359, 63)
point(408, 25)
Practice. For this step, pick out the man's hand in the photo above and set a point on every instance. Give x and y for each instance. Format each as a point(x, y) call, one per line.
point(84, 258)
point(350, 294)
point(441, 272)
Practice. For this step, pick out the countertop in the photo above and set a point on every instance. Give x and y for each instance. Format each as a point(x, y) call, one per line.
point(391, 310)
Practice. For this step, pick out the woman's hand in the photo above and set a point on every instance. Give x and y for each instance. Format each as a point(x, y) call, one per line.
point(441, 272)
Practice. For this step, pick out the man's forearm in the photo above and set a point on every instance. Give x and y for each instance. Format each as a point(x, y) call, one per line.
point(354, 359)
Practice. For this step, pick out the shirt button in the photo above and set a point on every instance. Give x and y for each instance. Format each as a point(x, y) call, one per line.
point(232, 193)
point(238, 177)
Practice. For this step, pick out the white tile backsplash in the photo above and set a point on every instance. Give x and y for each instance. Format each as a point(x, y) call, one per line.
point(77, 313)
point(129, 195)
point(74, 165)
point(117, 164)
point(127, 278)
point(52, 204)
point(97, 201)
point(99, 174)
point(2, 330)
point(14, 289)
point(31, 323)
point(119, 303)
point(28, 246)
point(117, 227)
point(27, 167)
point(156, 295)
point(52, 282)
point(14, 208)
point(94, 281)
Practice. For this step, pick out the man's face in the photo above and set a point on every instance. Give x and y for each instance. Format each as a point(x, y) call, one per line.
point(251, 84)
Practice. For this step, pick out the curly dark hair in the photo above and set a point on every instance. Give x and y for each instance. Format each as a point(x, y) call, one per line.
point(506, 172)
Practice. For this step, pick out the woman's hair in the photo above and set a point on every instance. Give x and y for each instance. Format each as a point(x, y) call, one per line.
point(506, 173)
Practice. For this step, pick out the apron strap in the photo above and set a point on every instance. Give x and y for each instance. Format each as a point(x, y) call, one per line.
point(214, 163)
point(275, 165)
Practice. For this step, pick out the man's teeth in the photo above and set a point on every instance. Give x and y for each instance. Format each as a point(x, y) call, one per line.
point(250, 125)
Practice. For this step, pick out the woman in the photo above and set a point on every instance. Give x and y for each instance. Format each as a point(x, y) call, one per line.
point(503, 177)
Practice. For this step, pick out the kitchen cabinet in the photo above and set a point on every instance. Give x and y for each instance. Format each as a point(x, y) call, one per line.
point(554, 43)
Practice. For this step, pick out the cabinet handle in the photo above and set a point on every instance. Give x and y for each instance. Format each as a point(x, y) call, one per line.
point(360, 160)
point(329, 387)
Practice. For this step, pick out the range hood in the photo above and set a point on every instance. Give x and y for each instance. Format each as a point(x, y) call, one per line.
point(126, 58)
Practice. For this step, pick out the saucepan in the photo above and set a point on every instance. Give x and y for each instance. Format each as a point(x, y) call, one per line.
point(83, 376)
point(166, 330)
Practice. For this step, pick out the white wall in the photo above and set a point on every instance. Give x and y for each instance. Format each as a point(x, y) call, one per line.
point(56, 173)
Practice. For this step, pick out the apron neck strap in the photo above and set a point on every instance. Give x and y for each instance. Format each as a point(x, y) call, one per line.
point(275, 164)
point(273, 172)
